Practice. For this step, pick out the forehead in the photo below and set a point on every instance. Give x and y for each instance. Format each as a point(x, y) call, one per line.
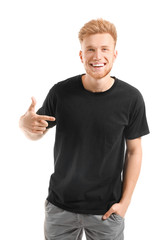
point(98, 39)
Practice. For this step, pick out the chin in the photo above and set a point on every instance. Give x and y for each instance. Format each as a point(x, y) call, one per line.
point(98, 75)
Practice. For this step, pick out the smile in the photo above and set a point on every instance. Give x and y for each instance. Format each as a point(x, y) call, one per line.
point(97, 65)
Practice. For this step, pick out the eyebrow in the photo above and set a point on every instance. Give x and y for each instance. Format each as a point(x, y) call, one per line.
point(101, 46)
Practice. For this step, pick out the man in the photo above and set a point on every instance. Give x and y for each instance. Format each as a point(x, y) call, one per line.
point(97, 154)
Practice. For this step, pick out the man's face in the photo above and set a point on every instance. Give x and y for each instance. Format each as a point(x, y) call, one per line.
point(98, 54)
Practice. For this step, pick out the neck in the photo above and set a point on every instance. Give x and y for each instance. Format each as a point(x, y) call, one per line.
point(97, 85)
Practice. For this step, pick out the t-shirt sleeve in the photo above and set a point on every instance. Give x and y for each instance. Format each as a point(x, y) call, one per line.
point(137, 123)
point(49, 106)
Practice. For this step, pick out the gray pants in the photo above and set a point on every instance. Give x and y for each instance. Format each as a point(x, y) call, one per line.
point(64, 225)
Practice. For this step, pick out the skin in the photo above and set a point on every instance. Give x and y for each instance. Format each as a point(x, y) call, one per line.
point(32, 124)
point(96, 48)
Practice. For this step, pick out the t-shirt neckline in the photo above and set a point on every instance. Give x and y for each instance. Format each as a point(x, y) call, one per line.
point(98, 93)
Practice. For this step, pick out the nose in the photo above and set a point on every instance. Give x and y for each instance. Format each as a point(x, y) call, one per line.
point(97, 55)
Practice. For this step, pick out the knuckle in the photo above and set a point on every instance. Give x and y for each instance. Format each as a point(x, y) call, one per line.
point(34, 123)
point(40, 132)
point(33, 127)
point(113, 209)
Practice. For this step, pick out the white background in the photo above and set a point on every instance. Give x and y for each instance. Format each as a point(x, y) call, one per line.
point(38, 47)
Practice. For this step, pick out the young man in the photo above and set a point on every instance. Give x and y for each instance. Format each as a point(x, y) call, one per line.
point(99, 124)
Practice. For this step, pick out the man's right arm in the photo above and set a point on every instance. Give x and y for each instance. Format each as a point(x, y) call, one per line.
point(32, 124)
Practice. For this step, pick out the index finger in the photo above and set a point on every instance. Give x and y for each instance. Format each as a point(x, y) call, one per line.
point(46, 118)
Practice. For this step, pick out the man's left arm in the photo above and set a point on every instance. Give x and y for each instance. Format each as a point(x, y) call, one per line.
point(132, 166)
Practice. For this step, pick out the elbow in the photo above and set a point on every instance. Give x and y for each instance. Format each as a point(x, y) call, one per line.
point(134, 152)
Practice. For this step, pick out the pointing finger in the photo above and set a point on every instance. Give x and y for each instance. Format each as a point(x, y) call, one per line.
point(46, 118)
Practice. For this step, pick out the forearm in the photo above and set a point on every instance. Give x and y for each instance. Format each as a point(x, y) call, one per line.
point(131, 173)
point(132, 166)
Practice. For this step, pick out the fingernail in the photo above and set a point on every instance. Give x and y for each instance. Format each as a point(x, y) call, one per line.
point(104, 217)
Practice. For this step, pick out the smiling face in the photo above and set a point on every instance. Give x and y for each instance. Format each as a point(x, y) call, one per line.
point(98, 54)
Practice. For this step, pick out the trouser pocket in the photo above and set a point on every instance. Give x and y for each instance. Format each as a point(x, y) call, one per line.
point(117, 217)
point(46, 203)
point(51, 208)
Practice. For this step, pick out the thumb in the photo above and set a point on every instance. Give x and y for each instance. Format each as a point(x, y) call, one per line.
point(108, 213)
point(33, 104)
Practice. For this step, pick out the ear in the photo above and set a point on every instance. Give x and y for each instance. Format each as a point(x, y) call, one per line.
point(80, 54)
point(115, 54)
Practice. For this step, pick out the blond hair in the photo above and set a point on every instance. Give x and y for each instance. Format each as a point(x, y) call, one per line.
point(97, 26)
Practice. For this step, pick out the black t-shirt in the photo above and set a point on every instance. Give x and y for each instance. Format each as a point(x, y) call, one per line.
point(89, 150)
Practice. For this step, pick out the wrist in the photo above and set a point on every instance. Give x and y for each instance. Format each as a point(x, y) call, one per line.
point(125, 201)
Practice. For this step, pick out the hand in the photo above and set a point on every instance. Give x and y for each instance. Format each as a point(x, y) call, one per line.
point(34, 123)
point(117, 208)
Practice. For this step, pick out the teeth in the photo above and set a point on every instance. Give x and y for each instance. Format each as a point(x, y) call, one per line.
point(98, 65)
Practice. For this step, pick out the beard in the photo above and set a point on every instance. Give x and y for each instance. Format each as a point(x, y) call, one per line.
point(97, 74)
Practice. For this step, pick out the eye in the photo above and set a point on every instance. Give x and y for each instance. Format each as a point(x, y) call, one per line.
point(105, 49)
point(90, 50)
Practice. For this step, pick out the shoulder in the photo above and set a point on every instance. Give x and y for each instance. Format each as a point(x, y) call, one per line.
point(129, 91)
point(68, 82)
point(64, 85)
point(128, 88)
